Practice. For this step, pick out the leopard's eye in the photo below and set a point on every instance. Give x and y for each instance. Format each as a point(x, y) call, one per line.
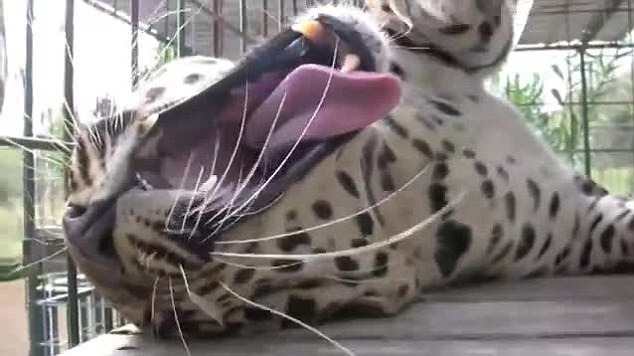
point(456, 29)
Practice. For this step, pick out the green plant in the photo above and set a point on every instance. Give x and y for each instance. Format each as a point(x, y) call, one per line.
point(104, 107)
point(563, 128)
point(527, 96)
point(556, 128)
point(11, 166)
point(601, 78)
point(10, 234)
point(165, 53)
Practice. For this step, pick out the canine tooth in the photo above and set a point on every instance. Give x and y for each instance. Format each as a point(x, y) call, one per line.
point(209, 183)
point(351, 62)
point(313, 30)
point(144, 183)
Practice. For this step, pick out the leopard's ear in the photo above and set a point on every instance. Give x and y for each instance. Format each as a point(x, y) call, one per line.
point(389, 14)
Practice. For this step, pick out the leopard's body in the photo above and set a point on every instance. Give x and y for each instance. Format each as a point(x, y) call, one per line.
point(499, 203)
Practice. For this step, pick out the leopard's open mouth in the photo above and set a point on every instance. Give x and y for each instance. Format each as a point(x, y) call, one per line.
point(283, 108)
point(242, 141)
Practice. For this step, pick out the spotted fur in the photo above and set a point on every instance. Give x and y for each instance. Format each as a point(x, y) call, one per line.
point(495, 201)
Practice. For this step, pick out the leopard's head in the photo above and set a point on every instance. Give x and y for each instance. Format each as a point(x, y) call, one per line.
point(208, 144)
point(475, 35)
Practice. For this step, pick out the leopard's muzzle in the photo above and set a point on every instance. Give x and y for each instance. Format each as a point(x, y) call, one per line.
point(237, 145)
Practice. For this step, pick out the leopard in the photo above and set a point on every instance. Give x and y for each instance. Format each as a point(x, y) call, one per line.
point(351, 162)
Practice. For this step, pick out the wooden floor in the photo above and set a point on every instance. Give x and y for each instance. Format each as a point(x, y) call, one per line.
point(568, 316)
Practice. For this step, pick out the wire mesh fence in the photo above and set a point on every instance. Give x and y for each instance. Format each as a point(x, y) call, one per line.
point(572, 78)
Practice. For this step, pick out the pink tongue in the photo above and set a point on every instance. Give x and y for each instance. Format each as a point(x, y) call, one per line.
point(353, 101)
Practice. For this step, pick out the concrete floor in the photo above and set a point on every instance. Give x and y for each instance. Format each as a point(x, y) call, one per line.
point(579, 316)
point(14, 338)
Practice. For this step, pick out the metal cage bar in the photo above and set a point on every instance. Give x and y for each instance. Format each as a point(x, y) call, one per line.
point(31, 250)
point(218, 32)
point(584, 114)
point(244, 25)
point(115, 14)
point(281, 15)
point(134, 45)
point(181, 7)
point(265, 18)
point(69, 99)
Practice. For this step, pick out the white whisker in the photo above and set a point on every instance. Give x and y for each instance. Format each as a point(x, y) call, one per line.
point(214, 160)
point(193, 197)
point(153, 301)
point(290, 318)
point(335, 221)
point(201, 208)
point(21, 147)
point(109, 135)
point(179, 191)
point(278, 22)
point(235, 221)
point(304, 131)
point(263, 208)
point(178, 323)
point(35, 263)
point(69, 53)
point(39, 241)
point(403, 34)
point(229, 204)
point(206, 306)
point(256, 164)
point(407, 233)
point(234, 153)
point(257, 268)
point(118, 121)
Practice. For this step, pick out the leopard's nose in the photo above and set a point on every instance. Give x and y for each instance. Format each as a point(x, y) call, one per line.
point(89, 230)
point(486, 31)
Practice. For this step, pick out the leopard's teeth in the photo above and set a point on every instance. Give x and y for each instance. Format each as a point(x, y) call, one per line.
point(209, 184)
point(145, 185)
point(351, 62)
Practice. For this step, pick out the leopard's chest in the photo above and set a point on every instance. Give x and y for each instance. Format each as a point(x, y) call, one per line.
point(472, 143)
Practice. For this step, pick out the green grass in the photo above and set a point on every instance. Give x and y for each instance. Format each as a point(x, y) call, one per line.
point(10, 206)
point(11, 237)
point(11, 234)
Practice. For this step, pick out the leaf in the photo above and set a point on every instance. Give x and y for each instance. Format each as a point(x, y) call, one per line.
point(558, 71)
point(600, 93)
point(558, 97)
point(623, 54)
point(574, 131)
